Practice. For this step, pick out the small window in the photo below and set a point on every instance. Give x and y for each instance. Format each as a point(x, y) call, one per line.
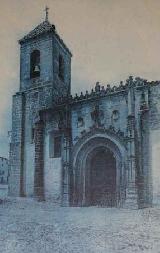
point(32, 135)
point(35, 64)
point(80, 122)
point(57, 146)
point(115, 115)
point(61, 68)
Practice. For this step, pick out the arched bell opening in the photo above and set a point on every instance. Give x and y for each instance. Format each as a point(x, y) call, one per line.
point(35, 64)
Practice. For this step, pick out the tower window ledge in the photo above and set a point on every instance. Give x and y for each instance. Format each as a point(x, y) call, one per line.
point(35, 80)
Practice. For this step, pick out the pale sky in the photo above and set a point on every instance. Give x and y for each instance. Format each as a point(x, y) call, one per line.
point(109, 39)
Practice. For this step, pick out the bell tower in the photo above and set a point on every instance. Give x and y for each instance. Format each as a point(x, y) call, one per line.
point(45, 60)
point(45, 74)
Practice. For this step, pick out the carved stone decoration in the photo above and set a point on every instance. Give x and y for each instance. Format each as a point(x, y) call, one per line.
point(97, 87)
point(143, 103)
point(97, 116)
point(36, 117)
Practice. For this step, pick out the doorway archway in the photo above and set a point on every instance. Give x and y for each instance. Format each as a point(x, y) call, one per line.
point(101, 178)
point(91, 152)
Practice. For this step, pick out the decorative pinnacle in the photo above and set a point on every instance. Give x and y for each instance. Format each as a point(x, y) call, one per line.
point(46, 11)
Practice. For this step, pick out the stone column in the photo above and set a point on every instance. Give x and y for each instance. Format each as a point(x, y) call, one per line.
point(66, 149)
point(131, 191)
point(39, 161)
point(145, 184)
point(66, 165)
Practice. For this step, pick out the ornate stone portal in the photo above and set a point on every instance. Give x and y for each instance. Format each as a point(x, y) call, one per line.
point(99, 170)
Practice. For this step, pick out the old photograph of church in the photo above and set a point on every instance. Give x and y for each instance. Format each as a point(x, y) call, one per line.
point(80, 126)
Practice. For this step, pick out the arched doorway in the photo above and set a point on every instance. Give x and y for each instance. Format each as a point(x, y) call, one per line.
point(98, 176)
point(102, 175)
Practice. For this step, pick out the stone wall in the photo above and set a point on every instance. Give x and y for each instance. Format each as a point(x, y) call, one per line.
point(61, 88)
point(52, 174)
point(154, 120)
point(17, 147)
point(4, 170)
point(3, 191)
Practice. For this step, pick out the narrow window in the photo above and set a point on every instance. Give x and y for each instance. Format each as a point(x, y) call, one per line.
point(35, 64)
point(57, 146)
point(32, 135)
point(61, 68)
point(80, 122)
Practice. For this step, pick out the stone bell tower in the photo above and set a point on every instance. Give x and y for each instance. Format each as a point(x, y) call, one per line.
point(45, 60)
point(45, 74)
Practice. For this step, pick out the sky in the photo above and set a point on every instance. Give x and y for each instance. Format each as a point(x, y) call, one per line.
point(109, 39)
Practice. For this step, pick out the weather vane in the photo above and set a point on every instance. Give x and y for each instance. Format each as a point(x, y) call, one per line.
point(46, 11)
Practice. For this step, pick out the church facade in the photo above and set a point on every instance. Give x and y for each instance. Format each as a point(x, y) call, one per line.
point(87, 150)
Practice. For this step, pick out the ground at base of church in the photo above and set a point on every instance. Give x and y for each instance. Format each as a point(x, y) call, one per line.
point(32, 227)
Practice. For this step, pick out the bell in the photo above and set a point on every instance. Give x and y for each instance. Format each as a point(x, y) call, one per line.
point(36, 68)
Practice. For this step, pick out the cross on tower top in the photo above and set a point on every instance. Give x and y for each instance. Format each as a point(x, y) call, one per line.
point(46, 11)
